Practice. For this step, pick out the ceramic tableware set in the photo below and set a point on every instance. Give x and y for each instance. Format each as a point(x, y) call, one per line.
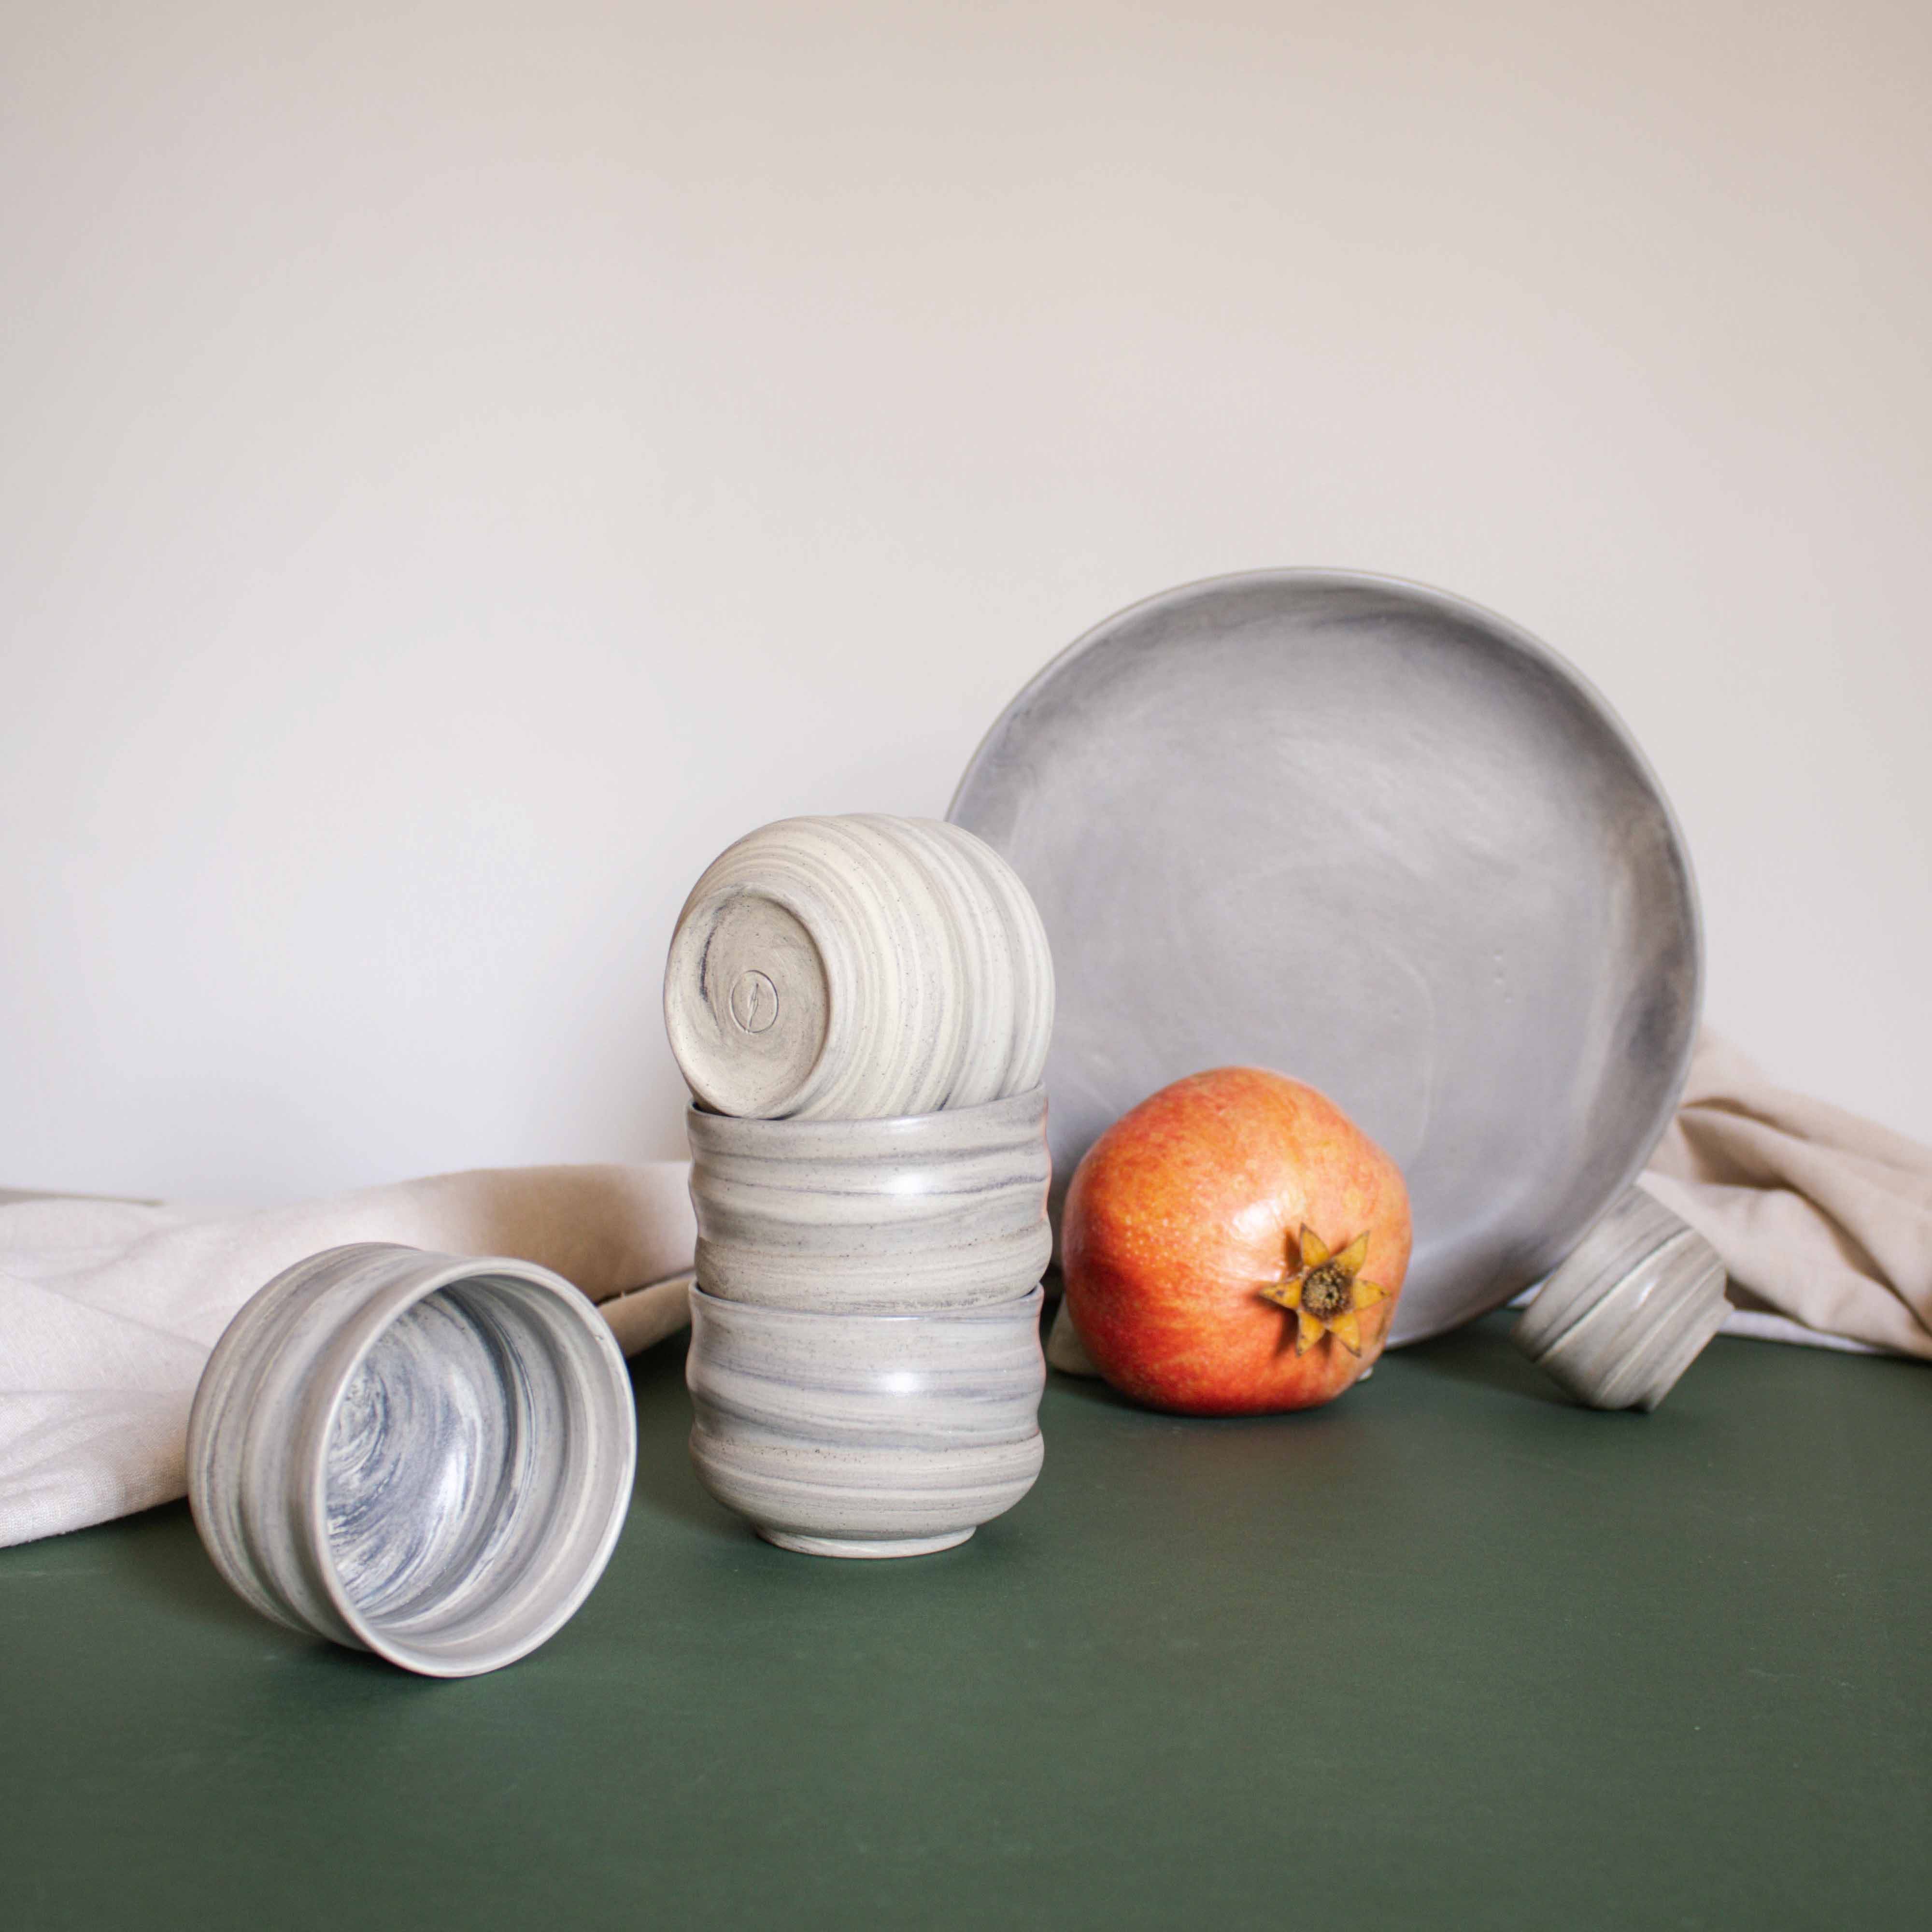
point(862, 1006)
point(1350, 827)
point(430, 1457)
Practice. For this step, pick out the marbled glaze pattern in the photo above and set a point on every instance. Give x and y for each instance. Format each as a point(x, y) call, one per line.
point(858, 967)
point(427, 1457)
point(1376, 837)
point(925, 1211)
point(1631, 1310)
point(866, 1434)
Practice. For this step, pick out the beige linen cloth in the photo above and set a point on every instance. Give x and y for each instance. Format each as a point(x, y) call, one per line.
point(108, 1310)
point(1824, 1219)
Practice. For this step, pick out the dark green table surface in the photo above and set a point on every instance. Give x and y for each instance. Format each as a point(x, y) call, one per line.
point(1450, 1653)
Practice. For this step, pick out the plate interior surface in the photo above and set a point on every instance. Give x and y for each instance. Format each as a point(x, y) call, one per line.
point(1376, 838)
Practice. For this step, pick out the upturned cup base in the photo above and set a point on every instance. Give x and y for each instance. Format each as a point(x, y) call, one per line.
point(866, 1546)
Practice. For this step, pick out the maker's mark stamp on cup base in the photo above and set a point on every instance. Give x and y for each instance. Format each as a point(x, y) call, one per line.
point(754, 1002)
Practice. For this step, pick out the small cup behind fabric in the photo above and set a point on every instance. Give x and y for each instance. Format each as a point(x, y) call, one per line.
point(424, 1456)
point(1630, 1310)
point(866, 1435)
point(858, 968)
point(923, 1211)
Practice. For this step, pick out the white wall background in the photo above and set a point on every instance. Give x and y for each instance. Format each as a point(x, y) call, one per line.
point(461, 465)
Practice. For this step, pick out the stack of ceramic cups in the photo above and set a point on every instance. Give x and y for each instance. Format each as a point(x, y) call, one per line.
point(861, 1007)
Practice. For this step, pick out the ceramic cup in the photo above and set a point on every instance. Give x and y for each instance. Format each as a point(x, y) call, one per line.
point(1631, 1310)
point(858, 968)
point(866, 1435)
point(426, 1457)
point(923, 1211)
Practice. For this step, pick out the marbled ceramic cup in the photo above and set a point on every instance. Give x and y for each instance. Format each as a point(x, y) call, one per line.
point(923, 1211)
point(858, 968)
point(1631, 1310)
point(866, 1434)
point(426, 1457)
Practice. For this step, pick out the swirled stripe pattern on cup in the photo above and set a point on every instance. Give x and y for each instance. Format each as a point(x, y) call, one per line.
point(858, 967)
point(928, 1211)
point(892, 1429)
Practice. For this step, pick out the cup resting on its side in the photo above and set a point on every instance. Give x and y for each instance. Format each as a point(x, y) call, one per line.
point(1632, 1308)
point(424, 1456)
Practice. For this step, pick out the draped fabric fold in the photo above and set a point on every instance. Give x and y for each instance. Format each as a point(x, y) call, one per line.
point(1821, 1217)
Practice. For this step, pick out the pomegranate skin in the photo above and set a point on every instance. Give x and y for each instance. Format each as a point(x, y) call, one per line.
point(1190, 1205)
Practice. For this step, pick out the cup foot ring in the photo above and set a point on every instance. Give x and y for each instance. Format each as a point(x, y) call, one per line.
point(865, 1546)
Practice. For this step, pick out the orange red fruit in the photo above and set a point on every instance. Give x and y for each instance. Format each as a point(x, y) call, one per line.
point(1235, 1244)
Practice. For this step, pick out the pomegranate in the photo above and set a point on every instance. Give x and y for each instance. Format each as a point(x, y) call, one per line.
point(1234, 1245)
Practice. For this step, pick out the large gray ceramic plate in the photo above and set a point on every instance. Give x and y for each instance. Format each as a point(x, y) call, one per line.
point(1380, 839)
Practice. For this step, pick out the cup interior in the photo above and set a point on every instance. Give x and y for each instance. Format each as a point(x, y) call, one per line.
point(476, 1472)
